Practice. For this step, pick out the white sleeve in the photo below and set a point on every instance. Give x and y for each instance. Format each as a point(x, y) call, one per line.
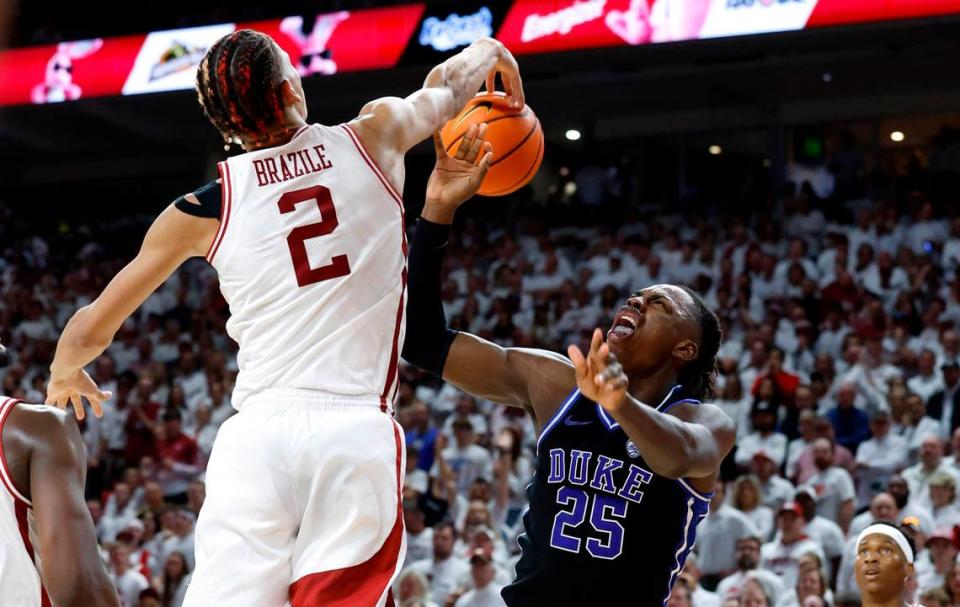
point(847, 491)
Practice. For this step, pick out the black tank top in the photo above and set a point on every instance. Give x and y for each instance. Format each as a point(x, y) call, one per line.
point(601, 529)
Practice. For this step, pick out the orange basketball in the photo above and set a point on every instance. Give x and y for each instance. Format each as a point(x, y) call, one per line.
point(516, 137)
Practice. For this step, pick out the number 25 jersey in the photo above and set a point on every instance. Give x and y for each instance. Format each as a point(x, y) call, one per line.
point(311, 256)
point(602, 528)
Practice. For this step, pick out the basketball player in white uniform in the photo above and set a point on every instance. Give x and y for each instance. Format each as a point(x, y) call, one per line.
point(303, 485)
point(46, 532)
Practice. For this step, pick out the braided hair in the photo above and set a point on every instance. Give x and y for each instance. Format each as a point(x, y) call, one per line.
point(697, 376)
point(238, 84)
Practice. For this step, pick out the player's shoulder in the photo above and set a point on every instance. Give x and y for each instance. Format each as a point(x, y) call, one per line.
point(204, 201)
point(42, 422)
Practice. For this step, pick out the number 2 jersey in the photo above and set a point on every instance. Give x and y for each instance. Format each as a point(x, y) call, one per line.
point(311, 256)
point(602, 528)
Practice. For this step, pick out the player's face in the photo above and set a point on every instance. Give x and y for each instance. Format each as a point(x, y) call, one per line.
point(881, 568)
point(652, 325)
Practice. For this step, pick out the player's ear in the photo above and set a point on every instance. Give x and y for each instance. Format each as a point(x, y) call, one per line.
point(289, 94)
point(687, 350)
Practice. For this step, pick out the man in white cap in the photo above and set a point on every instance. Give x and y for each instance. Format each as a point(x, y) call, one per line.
point(782, 556)
point(884, 564)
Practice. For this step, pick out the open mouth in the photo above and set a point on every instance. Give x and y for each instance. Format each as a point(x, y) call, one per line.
point(625, 324)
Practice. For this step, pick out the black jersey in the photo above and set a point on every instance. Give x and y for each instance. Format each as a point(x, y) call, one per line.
point(601, 529)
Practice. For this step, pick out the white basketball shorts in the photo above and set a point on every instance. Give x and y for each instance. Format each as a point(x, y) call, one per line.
point(303, 505)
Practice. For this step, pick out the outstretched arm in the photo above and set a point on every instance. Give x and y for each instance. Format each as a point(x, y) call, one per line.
point(72, 571)
point(521, 377)
point(688, 442)
point(172, 239)
point(401, 123)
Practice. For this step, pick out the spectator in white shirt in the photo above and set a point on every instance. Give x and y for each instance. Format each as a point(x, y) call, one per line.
point(944, 404)
point(486, 590)
point(878, 458)
point(746, 499)
point(129, 581)
point(413, 588)
point(931, 462)
point(748, 560)
point(908, 508)
point(951, 248)
point(444, 569)
point(774, 488)
point(941, 556)
point(782, 556)
point(832, 485)
point(943, 495)
point(468, 460)
point(826, 533)
point(927, 381)
point(763, 417)
point(419, 536)
point(717, 537)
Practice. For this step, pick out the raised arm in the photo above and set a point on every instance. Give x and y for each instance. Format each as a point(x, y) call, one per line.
point(401, 123)
point(72, 570)
point(172, 239)
point(520, 377)
point(689, 441)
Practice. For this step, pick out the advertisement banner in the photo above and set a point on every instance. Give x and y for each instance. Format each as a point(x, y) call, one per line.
point(539, 26)
point(443, 31)
point(343, 41)
point(67, 71)
point(378, 38)
point(168, 60)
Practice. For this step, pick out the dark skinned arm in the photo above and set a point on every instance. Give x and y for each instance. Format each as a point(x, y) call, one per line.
point(536, 380)
point(72, 571)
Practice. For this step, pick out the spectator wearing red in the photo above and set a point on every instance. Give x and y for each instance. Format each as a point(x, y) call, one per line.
point(178, 455)
point(785, 383)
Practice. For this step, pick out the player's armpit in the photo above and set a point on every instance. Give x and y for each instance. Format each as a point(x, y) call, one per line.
point(519, 377)
point(712, 435)
point(72, 571)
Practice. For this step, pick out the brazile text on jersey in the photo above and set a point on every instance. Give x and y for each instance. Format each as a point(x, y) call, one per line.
point(290, 165)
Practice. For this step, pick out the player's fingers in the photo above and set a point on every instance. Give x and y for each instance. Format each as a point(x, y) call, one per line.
point(492, 81)
point(466, 142)
point(604, 354)
point(77, 403)
point(438, 146)
point(485, 162)
point(579, 362)
point(476, 144)
point(595, 342)
point(96, 404)
point(514, 87)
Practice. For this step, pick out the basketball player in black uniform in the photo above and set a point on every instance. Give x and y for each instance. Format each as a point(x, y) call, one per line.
point(627, 454)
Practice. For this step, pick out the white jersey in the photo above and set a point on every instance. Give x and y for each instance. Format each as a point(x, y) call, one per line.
point(19, 569)
point(311, 254)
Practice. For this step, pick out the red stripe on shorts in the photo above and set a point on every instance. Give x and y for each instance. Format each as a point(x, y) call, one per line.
point(360, 585)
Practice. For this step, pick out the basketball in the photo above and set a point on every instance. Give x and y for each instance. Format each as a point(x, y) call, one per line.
point(516, 137)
